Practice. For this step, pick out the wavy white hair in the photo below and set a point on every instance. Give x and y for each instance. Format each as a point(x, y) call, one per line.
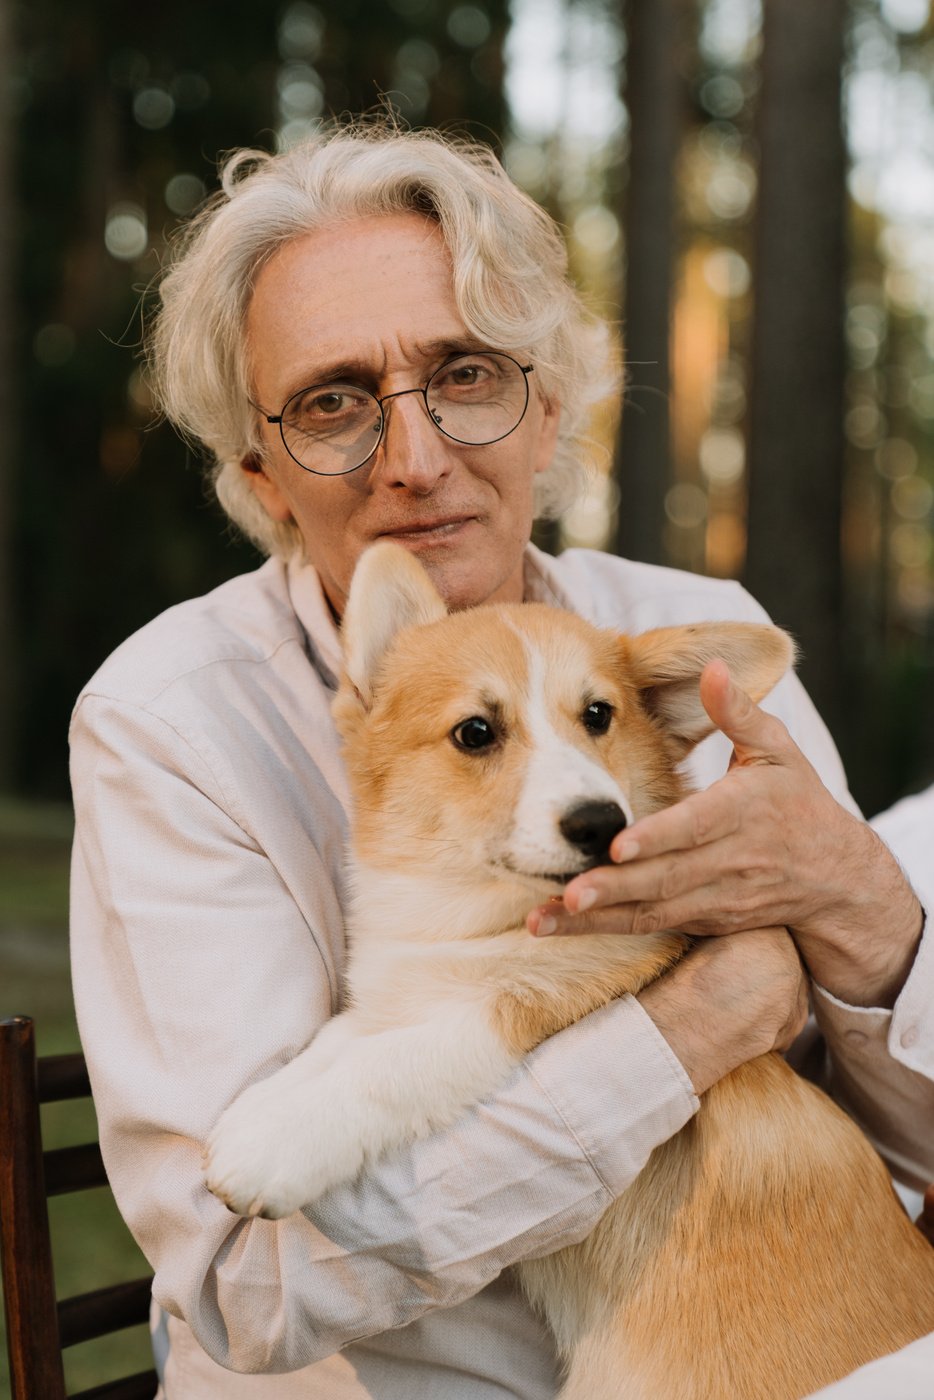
point(510, 285)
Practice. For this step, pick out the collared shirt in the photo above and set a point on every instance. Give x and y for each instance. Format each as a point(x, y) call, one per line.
point(208, 948)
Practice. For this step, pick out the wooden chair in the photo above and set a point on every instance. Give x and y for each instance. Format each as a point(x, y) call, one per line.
point(39, 1326)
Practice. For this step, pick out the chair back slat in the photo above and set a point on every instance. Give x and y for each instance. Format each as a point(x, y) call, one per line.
point(63, 1077)
point(73, 1169)
point(36, 1371)
point(105, 1310)
point(142, 1386)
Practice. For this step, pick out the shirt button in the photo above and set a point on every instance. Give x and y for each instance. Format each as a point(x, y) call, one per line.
point(909, 1037)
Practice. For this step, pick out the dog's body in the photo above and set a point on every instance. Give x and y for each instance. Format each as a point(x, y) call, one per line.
point(761, 1253)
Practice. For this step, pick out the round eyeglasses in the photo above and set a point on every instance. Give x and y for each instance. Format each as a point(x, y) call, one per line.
point(475, 399)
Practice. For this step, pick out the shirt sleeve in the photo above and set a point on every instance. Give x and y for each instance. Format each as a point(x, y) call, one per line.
point(882, 1066)
point(195, 974)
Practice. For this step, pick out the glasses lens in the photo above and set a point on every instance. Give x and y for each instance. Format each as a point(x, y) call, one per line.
point(478, 398)
point(331, 428)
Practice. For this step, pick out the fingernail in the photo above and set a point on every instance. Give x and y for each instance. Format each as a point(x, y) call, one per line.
point(586, 900)
point(626, 850)
point(546, 925)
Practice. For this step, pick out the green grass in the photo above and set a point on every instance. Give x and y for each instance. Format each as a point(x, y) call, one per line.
point(90, 1244)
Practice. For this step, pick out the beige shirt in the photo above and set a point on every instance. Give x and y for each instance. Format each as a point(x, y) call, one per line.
point(207, 950)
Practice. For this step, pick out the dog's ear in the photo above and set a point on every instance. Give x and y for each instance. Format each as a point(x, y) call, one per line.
point(666, 664)
point(389, 590)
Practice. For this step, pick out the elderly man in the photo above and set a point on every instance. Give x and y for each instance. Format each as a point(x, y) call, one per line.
point(311, 324)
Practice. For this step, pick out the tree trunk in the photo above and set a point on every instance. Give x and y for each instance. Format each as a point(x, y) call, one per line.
point(9, 668)
point(654, 97)
point(798, 359)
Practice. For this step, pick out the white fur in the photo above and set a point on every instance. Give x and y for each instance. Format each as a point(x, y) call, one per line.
point(558, 777)
point(367, 1094)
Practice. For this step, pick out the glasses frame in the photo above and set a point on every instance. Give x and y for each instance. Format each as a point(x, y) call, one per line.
point(278, 419)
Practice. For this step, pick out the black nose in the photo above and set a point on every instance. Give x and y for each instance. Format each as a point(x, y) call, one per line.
point(591, 827)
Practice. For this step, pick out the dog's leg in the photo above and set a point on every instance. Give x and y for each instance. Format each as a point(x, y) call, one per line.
point(315, 1123)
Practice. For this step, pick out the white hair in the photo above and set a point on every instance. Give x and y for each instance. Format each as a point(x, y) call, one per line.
point(511, 288)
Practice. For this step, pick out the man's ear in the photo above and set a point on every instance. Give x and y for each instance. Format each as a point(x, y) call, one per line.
point(548, 435)
point(389, 590)
point(265, 490)
point(667, 662)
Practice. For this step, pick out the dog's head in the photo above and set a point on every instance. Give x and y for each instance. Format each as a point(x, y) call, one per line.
point(511, 742)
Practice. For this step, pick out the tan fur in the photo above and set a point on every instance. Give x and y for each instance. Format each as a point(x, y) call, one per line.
point(761, 1253)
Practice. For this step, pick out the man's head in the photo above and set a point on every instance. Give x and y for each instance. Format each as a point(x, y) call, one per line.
point(373, 256)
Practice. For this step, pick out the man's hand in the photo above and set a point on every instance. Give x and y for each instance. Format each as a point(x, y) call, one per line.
point(766, 846)
point(729, 1000)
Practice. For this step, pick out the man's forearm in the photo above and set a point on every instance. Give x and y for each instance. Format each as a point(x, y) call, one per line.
point(865, 951)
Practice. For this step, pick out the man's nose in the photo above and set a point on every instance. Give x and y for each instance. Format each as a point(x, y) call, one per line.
point(414, 452)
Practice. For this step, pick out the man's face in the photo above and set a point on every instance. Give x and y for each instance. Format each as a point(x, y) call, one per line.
point(371, 302)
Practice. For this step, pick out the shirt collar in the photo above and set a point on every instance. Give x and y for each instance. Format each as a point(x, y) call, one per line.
point(322, 635)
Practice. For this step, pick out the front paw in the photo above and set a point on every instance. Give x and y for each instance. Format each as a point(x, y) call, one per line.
point(256, 1160)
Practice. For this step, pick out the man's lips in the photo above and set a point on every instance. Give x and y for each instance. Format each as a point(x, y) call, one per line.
point(442, 525)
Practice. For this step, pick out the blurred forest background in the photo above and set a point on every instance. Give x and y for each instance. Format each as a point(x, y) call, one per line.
point(747, 188)
point(771, 268)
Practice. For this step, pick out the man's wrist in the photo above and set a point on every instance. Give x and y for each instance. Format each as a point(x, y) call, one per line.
point(864, 951)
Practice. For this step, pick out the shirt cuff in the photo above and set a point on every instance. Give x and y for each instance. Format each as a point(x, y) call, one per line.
point(906, 1032)
point(618, 1107)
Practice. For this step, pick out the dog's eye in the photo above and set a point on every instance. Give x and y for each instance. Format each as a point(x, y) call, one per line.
point(474, 733)
point(597, 716)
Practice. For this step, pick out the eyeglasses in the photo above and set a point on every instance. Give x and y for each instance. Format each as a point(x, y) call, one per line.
point(475, 399)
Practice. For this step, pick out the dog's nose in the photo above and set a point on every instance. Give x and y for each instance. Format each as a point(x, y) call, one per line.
point(591, 827)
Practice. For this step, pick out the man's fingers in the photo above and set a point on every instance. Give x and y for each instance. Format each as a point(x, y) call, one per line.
point(634, 917)
point(660, 880)
point(755, 735)
point(696, 821)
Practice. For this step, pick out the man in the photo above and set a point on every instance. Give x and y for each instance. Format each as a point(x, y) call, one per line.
point(310, 325)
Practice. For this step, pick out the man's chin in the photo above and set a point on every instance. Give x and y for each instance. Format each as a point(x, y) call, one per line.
point(467, 580)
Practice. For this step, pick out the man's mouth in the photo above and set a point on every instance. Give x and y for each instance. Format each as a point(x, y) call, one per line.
point(440, 528)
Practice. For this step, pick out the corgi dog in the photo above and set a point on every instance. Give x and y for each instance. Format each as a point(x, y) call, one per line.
point(493, 754)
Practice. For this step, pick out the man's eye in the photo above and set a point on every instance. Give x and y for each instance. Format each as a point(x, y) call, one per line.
point(328, 403)
point(473, 734)
point(324, 405)
point(465, 374)
point(597, 716)
point(477, 373)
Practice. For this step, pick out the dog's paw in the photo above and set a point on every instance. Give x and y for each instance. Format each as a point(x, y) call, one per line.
point(254, 1159)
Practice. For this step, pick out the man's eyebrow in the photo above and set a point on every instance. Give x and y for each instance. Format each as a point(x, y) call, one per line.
point(356, 371)
point(330, 371)
point(449, 345)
